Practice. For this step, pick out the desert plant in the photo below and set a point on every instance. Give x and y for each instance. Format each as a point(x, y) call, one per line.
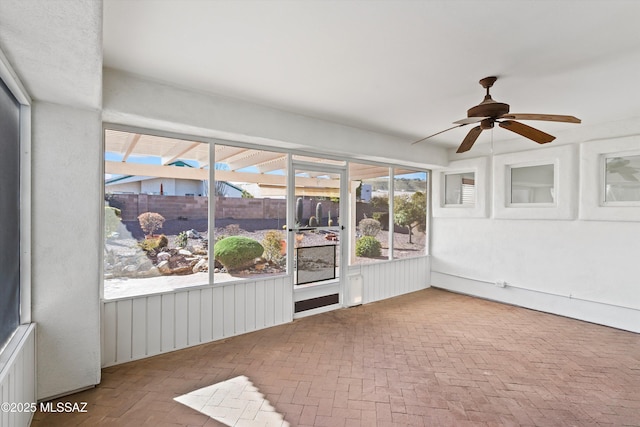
point(368, 246)
point(182, 239)
point(329, 221)
point(299, 209)
point(369, 227)
point(150, 222)
point(154, 243)
point(237, 252)
point(313, 222)
point(232, 229)
point(112, 219)
point(319, 213)
point(272, 243)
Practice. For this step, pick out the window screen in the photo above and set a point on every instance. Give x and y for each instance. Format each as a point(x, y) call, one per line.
point(9, 213)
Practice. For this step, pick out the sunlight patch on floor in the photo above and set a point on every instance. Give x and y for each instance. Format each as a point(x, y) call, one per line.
point(234, 402)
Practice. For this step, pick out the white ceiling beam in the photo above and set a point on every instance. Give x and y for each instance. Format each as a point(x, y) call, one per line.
point(177, 152)
point(132, 141)
point(139, 169)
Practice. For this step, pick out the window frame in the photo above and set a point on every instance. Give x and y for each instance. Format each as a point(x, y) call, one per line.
point(593, 155)
point(565, 184)
point(290, 153)
point(13, 83)
point(603, 182)
point(479, 167)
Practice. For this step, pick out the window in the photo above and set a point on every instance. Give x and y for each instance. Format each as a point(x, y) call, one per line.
point(536, 184)
point(460, 189)
point(622, 180)
point(532, 184)
point(608, 168)
point(9, 213)
point(409, 213)
point(250, 213)
point(156, 214)
point(370, 210)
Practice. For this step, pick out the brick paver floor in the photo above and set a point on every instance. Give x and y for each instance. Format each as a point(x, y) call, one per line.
point(431, 358)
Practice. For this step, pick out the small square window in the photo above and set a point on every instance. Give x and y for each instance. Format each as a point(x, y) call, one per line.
point(460, 189)
point(622, 179)
point(532, 184)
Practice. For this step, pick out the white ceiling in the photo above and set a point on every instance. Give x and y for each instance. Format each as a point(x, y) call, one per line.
point(407, 68)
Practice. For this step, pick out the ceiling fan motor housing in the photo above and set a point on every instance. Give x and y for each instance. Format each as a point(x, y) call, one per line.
point(488, 108)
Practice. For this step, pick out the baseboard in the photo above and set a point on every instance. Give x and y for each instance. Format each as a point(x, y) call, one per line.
point(618, 317)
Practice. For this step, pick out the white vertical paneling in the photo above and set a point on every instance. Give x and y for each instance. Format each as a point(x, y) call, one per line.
point(154, 324)
point(17, 377)
point(260, 305)
point(240, 308)
point(144, 326)
point(167, 322)
point(250, 307)
point(181, 319)
point(109, 333)
point(193, 312)
point(206, 314)
point(288, 299)
point(218, 313)
point(123, 322)
point(278, 297)
point(388, 279)
point(228, 310)
point(139, 328)
point(269, 301)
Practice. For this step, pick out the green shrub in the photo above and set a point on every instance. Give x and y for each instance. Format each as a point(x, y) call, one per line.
point(272, 244)
point(369, 247)
point(369, 227)
point(237, 252)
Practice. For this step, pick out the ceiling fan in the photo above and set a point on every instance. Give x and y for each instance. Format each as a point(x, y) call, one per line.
point(490, 112)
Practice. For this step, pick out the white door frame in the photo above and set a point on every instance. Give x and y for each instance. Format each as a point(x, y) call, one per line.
point(312, 291)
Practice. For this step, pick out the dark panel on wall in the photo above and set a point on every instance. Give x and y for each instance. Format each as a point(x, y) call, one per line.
point(309, 304)
point(9, 213)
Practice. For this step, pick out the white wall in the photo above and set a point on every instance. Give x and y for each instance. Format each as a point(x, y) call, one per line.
point(582, 269)
point(131, 100)
point(66, 246)
point(55, 48)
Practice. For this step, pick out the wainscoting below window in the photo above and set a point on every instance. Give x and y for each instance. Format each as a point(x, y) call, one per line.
point(18, 376)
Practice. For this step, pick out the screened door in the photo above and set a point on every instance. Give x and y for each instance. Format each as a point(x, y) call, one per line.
point(317, 235)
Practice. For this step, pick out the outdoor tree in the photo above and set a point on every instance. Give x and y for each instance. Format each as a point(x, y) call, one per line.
point(150, 222)
point(411, 212)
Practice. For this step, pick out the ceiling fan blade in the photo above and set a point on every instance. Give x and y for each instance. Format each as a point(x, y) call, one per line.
point(527, 131)
point(628, 176)
point(438, 133)
point(470, 120)
point(469, 140)
point(544, 117)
